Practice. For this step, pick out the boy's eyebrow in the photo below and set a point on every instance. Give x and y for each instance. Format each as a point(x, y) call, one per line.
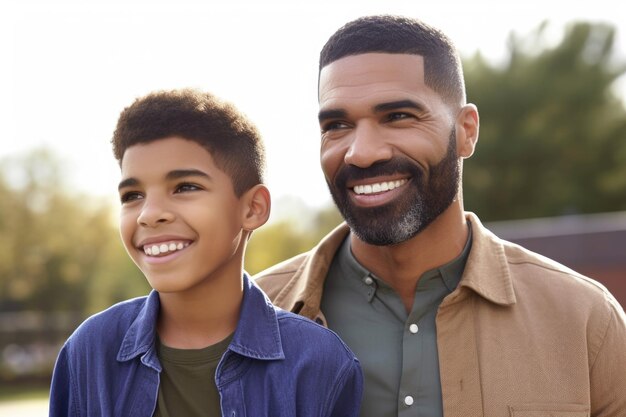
point(172, 175)
point(182, 173)
point(128, 182)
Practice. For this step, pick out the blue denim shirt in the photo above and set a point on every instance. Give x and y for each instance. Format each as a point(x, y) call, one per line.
point(278, 364)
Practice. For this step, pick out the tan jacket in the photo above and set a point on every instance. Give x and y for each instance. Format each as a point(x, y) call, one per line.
point(521, 336)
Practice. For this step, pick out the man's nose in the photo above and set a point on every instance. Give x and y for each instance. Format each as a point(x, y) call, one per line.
point(368, 146)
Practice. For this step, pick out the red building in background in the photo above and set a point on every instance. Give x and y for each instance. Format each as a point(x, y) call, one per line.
point(594, 244)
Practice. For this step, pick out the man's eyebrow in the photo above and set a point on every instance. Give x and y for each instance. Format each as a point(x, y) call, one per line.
point(172, 175)
point(379, 108)
point(400, 104)
point(331, 114)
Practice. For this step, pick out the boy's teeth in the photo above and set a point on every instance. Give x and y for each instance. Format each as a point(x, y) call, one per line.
point(155, 250)
point(378, 187)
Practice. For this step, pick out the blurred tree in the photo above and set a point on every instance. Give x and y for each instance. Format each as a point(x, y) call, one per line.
point(288, 237)
point(553, 133)
point(57, 251)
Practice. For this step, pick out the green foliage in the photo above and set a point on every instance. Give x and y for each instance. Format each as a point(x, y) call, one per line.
point(553, 133)
point(288, 237)
point(552, 141)
point(57, 252)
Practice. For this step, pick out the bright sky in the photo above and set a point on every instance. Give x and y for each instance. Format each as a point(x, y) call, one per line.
point(69, 67)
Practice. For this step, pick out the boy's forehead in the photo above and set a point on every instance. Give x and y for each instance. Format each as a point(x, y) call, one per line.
point(164, 154)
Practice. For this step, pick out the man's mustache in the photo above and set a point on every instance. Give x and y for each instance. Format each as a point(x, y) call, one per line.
point(393, 166)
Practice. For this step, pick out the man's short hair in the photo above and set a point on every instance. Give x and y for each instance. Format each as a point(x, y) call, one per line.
point(402, 35)
point(233, 141)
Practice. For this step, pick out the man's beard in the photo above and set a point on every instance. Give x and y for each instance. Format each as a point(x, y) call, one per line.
point(408, 214)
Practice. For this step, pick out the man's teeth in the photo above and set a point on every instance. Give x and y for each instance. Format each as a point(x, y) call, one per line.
point(378, 187)
point(161, 248)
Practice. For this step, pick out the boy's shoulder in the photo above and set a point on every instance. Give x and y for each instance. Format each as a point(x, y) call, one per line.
point(108, 325)
point(300, 333)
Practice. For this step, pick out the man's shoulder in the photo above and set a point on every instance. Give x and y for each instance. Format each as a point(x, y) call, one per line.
point(534, 273)
point(274, 279)
point(528, 263)
point(285, 268)
point(323, 252)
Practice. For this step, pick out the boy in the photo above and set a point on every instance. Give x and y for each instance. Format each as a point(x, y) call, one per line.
point(206, 341)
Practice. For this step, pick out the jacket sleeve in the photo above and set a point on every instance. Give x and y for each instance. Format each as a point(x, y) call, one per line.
point(608, 369)
point(62, 399)
point(345, 397)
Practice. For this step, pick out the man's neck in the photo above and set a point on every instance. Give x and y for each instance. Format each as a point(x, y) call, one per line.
point(402, 265)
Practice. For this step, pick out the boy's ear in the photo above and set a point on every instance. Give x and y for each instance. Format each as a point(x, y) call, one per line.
point(257, 204)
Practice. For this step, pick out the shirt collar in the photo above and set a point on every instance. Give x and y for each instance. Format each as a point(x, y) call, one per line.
point(453, 270)
point(450, 273)
point(257, 335)
point(486, 271)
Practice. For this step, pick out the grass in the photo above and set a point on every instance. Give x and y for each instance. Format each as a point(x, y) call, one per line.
point(8, 393)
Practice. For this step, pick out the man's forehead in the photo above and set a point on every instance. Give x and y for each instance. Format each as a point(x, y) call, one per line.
point(358, 73)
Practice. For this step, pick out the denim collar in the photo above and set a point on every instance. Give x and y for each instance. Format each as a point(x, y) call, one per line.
point(257, 335)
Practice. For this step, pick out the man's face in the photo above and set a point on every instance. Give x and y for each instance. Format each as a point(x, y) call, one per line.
point(388, 146)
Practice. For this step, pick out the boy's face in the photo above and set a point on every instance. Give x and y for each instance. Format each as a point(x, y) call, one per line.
point(180, 219)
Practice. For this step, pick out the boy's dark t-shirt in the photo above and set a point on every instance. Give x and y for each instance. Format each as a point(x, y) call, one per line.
point(187, 382)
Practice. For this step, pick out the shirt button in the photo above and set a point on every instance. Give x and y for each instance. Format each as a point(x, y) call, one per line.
point(413, 328)
point(408, 400)
point(368, 281)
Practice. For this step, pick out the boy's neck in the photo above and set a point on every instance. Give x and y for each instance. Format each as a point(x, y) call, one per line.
point(203, 316)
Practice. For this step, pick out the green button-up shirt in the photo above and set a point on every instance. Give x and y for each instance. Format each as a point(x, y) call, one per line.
point(397, 351)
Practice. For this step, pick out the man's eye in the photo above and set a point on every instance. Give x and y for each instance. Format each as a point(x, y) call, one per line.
point(398, 116)
point(130, 196)
point(186, 187)
point(326, 127)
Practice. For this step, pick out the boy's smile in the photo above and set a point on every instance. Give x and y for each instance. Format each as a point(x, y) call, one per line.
point(162, 249)
point(180, 219)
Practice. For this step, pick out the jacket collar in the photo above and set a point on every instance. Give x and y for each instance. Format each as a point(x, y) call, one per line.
point(486, 271)
point(303, 292)
point(140, 336)
point(257, 335)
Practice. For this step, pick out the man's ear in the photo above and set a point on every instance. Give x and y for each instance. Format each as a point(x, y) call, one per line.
point(467, 125)
point(256, 206)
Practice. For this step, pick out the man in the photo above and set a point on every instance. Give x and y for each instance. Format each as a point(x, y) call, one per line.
point(445, 318)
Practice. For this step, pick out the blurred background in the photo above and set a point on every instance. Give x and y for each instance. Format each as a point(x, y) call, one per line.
point(549, 171)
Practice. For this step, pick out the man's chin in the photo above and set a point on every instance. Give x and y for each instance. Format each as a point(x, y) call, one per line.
point(379, 227)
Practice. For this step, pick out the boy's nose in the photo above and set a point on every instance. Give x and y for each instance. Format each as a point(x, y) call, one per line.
point(153, 214)
point(367, 147)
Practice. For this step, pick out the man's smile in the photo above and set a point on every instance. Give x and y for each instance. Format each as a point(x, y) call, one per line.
point(378, 187)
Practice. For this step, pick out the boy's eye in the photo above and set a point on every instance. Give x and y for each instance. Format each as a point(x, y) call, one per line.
point(186, 187)
point(130, 196)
